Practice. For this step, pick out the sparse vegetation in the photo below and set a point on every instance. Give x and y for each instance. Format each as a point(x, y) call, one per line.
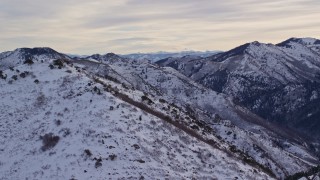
point(140, 161)
point(112, 157)
point(313, 171)
point(58, 122)
point(195, 127)
point(14, 77)
point(88, 152)
point(234, 149)
point(98, 162)
point(49, 141)
point(146, 99)
point(111, 79)
point(41, 100)
point(2, 75)
point(23, 75)
point(65, 132)
point(217, 118)
point(58, 62)
point(28, 61)
point(136, 146)
point(124, 86)
point(97, 90)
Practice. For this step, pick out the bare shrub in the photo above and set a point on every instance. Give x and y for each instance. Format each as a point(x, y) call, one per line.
point(146, 99)
point(28, 61)
point(15, 77)
point(49, 141)
point(41, 100)
point(112, 157)
point(98, 162)
point(2, 75)
point(58, 122)
point(58, 62)
point(65, 132)
point(136, 146)
point(140, 161)
point(88, 152)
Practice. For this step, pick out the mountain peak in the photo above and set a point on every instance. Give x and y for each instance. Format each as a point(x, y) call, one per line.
point(37, 54)
point(111, 55)
point(306, 41)
point(256, 43)
point(94, 56)
point(107, 58)
point(233, 52)
point(37, 50)
point(240, 50)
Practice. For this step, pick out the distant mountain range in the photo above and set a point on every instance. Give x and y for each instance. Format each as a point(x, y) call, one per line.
point(280, 83)
point(153, 57)
point(248, 113)
point(156, 56)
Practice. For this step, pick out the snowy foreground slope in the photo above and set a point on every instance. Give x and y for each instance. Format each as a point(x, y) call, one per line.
point(109, 117)
point(62, 124)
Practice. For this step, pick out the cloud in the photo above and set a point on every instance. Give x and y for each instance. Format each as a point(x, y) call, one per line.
point(130, 40)
point(85, 27)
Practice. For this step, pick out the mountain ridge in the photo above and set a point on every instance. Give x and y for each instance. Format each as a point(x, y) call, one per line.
point(260, 69)
point(75, 116)
point(159, 94)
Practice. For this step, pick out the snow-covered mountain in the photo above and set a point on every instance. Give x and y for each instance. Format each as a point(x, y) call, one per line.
point(21, 55)
point(153, 57)
point(312, 43)
point(106, 116)
point(238, 127)
point(279, 82)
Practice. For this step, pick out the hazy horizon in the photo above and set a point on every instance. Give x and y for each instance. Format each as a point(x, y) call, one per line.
point(132, 26)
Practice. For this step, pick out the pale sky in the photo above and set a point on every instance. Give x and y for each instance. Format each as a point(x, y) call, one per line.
point(127, 26)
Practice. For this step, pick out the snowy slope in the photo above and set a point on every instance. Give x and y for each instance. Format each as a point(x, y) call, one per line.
point(311, 43)
point(20, 55)
point(264, 144)
point(62, 123)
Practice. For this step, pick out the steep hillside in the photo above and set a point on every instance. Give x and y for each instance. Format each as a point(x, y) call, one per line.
point(233, 124)
point(28, 56)
point(278, 82)
point(60, 122)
